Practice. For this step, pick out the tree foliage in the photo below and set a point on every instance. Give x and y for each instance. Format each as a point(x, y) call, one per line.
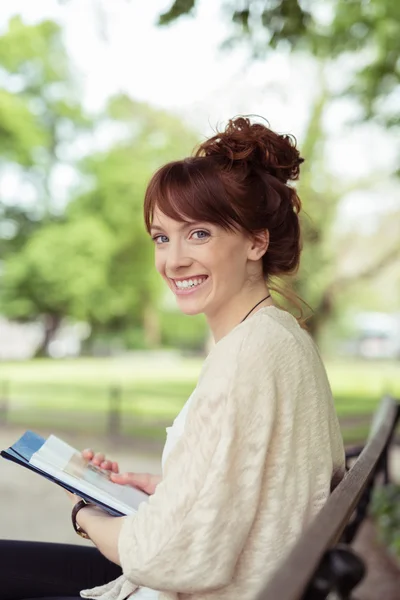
point(61, 271)
point(368, 35)
point(90, 259)
point(371, 29)
point(323, 280)
point(20, 134)
point(40, 116)
point(119, 177)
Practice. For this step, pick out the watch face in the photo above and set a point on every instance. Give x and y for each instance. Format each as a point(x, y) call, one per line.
point(82, 533)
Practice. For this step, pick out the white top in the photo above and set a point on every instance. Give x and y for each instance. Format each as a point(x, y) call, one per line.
point(175, 432)
point(260, 451)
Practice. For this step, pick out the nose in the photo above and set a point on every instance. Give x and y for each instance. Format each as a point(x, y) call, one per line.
point(177, 258)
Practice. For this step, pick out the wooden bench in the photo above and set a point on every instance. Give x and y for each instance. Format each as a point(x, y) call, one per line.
point(322, 562)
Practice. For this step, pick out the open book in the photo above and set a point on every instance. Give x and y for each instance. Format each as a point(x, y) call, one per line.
point(63, 464)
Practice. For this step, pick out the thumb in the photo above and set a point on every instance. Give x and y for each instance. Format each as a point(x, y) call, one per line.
point(135, 479)
point(121, 478)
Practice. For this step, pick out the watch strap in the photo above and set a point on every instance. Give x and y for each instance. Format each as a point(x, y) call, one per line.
point(77, 507)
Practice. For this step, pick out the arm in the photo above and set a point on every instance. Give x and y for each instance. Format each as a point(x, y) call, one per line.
point(103, 529)
point(190, 534)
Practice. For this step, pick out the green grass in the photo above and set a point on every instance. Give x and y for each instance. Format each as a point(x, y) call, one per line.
point(76, 393)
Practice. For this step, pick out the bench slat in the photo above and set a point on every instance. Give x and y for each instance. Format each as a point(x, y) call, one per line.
point(293, 577)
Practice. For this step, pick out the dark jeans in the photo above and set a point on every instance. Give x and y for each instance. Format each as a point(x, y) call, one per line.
point(44, 570)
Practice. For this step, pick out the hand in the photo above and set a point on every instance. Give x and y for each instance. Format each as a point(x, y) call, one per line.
point(99, 460)
point(143, 481)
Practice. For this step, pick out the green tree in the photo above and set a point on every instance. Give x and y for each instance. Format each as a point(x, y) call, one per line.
point(20, 134)
point(40, 118)
point(369, 29)
point(95, 261)
point(60, 271)
point(323, 279)
point(118, 179)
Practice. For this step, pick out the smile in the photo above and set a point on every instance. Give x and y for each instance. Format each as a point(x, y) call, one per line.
point(190, 285)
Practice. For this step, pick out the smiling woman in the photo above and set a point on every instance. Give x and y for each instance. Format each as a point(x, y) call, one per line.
point(256, 450)
point(229, 206)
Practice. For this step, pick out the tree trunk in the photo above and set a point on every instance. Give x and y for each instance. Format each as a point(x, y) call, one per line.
point(321, 314)
point(324, 310)
point(51, 326)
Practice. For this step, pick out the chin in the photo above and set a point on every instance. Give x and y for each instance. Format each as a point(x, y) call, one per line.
point(190, 311)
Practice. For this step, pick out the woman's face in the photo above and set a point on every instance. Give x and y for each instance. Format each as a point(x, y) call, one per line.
point(204, 265)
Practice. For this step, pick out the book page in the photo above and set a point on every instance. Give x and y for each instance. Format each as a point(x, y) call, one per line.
point(65, 462)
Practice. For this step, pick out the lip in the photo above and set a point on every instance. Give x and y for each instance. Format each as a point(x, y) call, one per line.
point(187, 291)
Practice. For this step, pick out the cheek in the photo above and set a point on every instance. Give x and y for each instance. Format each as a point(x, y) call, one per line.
point(231, 258)
point(224, 260)
point(159, 264)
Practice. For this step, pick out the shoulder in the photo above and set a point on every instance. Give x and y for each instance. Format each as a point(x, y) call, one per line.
point(271, 330)
point(262, 344)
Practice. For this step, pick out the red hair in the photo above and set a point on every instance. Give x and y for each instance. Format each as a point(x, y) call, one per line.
point(237, 179)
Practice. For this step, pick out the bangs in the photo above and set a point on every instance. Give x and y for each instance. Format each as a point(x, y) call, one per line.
point(190, 190)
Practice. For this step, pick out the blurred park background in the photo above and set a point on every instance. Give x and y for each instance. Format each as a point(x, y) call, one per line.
point(94, 96)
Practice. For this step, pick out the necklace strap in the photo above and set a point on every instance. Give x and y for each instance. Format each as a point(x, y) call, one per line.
point(250, 311)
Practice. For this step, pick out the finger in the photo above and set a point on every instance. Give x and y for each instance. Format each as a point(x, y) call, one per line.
point(88, 453)
point(106, 465)
point(98, 458)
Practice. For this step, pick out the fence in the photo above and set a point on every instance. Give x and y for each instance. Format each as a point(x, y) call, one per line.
point(113, 411)
point(140, 410)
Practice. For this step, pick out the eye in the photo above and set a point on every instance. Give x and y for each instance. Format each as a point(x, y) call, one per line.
point(160, 239)
point(202, 235)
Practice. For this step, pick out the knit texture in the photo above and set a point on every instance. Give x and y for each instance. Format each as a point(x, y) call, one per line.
point(260, 452)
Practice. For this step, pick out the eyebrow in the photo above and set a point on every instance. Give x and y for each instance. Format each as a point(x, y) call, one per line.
point(184, 225)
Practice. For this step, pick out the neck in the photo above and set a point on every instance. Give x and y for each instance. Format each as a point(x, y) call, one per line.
point(232, 313)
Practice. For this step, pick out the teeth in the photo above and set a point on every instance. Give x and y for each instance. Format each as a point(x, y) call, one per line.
point(188, 283)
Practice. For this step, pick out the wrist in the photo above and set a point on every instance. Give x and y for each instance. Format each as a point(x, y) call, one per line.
point(77, 510)
point(88, 515)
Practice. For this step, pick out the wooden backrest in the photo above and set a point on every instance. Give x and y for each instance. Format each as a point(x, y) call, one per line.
point(292, 578)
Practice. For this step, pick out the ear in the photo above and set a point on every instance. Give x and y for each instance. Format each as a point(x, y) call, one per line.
point(258, 245)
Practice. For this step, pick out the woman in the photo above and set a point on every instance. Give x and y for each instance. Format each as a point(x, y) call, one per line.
point(256, 450)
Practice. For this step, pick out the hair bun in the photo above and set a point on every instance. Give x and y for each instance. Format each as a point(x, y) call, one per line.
point(255, 145)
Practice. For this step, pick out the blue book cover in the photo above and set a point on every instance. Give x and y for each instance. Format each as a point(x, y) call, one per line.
point(23, 449)
point(27, 445)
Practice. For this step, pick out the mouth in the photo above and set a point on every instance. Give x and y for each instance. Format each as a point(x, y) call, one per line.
point(183, 287)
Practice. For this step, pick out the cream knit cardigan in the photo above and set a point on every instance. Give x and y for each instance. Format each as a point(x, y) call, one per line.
point(260, 452)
